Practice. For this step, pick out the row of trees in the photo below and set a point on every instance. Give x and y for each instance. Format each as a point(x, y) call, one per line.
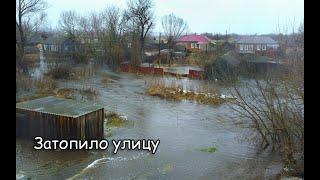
point(114, 29)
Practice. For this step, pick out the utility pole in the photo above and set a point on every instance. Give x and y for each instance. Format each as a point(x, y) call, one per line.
point(159, 43)
point(226, 36)
point(159, 58)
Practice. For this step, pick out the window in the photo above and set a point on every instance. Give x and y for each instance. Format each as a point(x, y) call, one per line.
point(251, 47)
point(264, 47)
point(241, 47)
point(275, 46)
point(258, 47)
point(198, 46)
point(246, 47)
point(192, 45)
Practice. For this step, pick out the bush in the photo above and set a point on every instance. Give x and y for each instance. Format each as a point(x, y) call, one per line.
point(25, 83)
point(221, 70)
point(81, 57)
point(274, 107)
point(59, 70)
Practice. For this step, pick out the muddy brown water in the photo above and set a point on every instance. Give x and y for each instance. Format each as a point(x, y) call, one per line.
point(183, 128)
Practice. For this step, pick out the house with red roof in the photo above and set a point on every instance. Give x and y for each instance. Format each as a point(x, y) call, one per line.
point(195, 42)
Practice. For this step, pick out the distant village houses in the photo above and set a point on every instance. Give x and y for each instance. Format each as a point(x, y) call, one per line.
point(51, 43)
point(192, 42)
point(261, 45)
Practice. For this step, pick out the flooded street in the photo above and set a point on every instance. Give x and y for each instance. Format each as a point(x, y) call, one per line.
point(183, 127)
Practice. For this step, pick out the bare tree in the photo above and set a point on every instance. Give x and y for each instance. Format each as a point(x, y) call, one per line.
point(112, 22)
point(113, 41)
point(24, 11)
point(140, 14)
point(69, 21)
point(173, 27)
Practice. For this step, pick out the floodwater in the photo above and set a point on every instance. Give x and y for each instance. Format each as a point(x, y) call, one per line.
point(183, 127)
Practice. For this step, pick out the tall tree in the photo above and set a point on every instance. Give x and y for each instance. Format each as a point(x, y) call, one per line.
point(140, 13)
point(113, 41)
point(69, 22)
point(173, 27)
point(25, 9)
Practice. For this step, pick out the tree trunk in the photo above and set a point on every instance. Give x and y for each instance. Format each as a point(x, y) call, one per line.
point(21, 44)
point(141, 50)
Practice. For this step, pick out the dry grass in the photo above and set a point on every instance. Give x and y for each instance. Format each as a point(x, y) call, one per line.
point(78, 73)
point(72, 93)
point(58, 70)
point(67, 93)
point(33, 88)
point(88, 92)
point(26, 83)
point(106, 80)
point(37, 88)
point(33, 57)
point(174, 91)
point(45, 85)
point(178, 94)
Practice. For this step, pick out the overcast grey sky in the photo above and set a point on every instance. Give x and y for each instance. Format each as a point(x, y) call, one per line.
point(237, 16)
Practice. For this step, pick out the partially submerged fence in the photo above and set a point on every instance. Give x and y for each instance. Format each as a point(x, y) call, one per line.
point(159, 71)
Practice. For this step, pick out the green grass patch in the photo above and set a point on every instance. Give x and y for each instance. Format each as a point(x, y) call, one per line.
point(209, 149)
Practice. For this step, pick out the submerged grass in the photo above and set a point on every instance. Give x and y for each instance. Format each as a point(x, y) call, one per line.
point(115, 120)
point(72, 93)
point(209, 149)
point(176, 92)
point(106, 79)
point(67, 93)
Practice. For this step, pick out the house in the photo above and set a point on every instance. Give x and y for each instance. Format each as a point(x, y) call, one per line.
point(48, 42)
point(53, 42)
point(69, 45)
point(192, 42)
point(261, 45)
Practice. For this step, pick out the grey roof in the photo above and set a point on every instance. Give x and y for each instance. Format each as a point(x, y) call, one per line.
point(256, 40)
point(59, 106)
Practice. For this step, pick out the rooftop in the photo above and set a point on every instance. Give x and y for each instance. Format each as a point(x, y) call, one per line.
point(256, 40)
point(194, 38)
point(59, 106)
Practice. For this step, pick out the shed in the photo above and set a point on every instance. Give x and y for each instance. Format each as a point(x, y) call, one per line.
point(57, 118)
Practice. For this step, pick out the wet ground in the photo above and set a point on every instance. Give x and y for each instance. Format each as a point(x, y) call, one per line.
point(183, 127)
